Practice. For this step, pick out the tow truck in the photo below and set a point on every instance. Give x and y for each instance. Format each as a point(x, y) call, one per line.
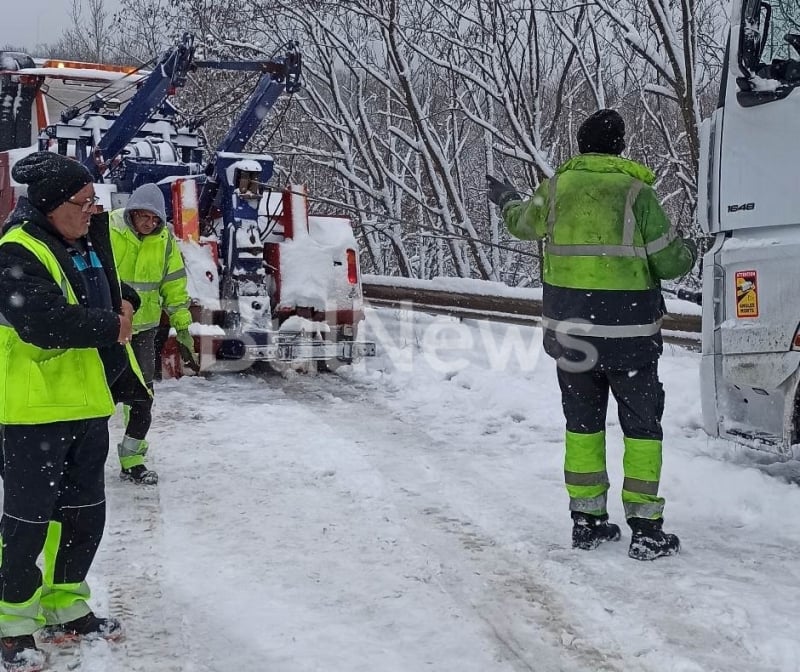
point(268, 281)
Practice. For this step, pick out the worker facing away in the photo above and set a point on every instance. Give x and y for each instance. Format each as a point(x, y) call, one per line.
point(149, 260)
point(608, 244)
point(64, 334)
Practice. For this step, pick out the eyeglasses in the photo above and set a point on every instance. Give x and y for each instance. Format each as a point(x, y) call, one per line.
point(143, 216)
point(87, 205)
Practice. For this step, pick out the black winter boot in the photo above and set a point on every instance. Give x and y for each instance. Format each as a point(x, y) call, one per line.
point(589, 531)
point(86, 627)
point(649, 541)
point(19, 654)
point(139, 474)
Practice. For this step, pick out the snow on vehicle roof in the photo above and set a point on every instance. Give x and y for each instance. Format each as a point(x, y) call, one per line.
point(248, 155)
point(314, 265)
point(91, 74)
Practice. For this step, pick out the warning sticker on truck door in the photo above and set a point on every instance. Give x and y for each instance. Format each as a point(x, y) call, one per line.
point(746, 294)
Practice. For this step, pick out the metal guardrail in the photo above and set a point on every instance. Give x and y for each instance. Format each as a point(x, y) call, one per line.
point(514, 310)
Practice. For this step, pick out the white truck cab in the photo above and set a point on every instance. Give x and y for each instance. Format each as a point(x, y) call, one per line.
point(749, 202)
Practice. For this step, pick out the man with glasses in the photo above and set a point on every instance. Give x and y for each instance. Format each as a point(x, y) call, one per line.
point(149, 260)
point(64, 334)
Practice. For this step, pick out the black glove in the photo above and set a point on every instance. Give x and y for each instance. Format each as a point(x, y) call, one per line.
point(690, 295)
point(186, 348)
point(501, 193)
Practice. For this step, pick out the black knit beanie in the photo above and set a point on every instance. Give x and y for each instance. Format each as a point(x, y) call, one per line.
point(52, 178)
point(602, 133)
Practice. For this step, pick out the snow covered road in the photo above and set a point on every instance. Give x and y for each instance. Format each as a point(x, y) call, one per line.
point(409, 514)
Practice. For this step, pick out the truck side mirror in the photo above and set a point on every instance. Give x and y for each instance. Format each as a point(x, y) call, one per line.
point(753, 32)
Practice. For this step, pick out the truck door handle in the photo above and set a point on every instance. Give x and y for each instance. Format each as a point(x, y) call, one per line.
point(719, 296)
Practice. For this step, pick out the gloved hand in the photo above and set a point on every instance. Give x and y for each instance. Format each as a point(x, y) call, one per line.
point(691, 245)
point(186, 346)
point(501, 193)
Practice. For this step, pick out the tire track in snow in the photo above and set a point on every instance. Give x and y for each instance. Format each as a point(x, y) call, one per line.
point(513, 590)
point(535, 569)
point(131, 560)
point(523, 616)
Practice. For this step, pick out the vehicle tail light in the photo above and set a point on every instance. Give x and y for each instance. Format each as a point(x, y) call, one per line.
point(352, 268)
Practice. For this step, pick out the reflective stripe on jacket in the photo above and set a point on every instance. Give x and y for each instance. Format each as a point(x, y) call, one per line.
point(153, 266)
point(39, 386)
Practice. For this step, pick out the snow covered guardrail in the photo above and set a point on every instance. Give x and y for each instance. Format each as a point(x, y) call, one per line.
point(479, 299)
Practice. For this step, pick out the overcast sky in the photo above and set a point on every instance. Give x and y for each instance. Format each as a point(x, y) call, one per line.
point(26, 23)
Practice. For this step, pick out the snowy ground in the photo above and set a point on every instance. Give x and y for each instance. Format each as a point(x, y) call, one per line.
point(409, 514)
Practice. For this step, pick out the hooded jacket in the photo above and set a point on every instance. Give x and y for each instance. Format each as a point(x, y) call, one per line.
point(151, 264)
point(608, 244)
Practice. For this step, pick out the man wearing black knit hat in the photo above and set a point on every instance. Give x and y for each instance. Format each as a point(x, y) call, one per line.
point(608, 244)
point(64, 343)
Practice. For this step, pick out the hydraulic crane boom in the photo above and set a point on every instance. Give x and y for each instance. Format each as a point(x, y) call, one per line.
point(170, 73)
point(277, 77)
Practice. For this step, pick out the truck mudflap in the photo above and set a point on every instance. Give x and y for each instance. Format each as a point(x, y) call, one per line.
point(240, 349)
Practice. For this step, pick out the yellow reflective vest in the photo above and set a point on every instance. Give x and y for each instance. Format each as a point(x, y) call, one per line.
point(154, 267)
point(39, 386)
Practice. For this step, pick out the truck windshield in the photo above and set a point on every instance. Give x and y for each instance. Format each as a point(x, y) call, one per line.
point(785, 21)
point(769, 50)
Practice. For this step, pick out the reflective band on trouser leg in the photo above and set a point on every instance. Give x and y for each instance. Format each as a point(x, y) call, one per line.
point(51, 543)
point(21, 618)
point(585, 472)
point(61, 602)
point(642, 465)
point(64, 602)
point(131, 451)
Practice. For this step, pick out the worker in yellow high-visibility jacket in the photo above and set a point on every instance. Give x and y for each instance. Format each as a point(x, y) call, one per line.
point(65, 330)
point(608, 245)
point(149, 260)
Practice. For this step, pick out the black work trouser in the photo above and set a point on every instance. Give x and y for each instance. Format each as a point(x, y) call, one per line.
point(51, 472)
point(639, 395)
point(141, 414)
